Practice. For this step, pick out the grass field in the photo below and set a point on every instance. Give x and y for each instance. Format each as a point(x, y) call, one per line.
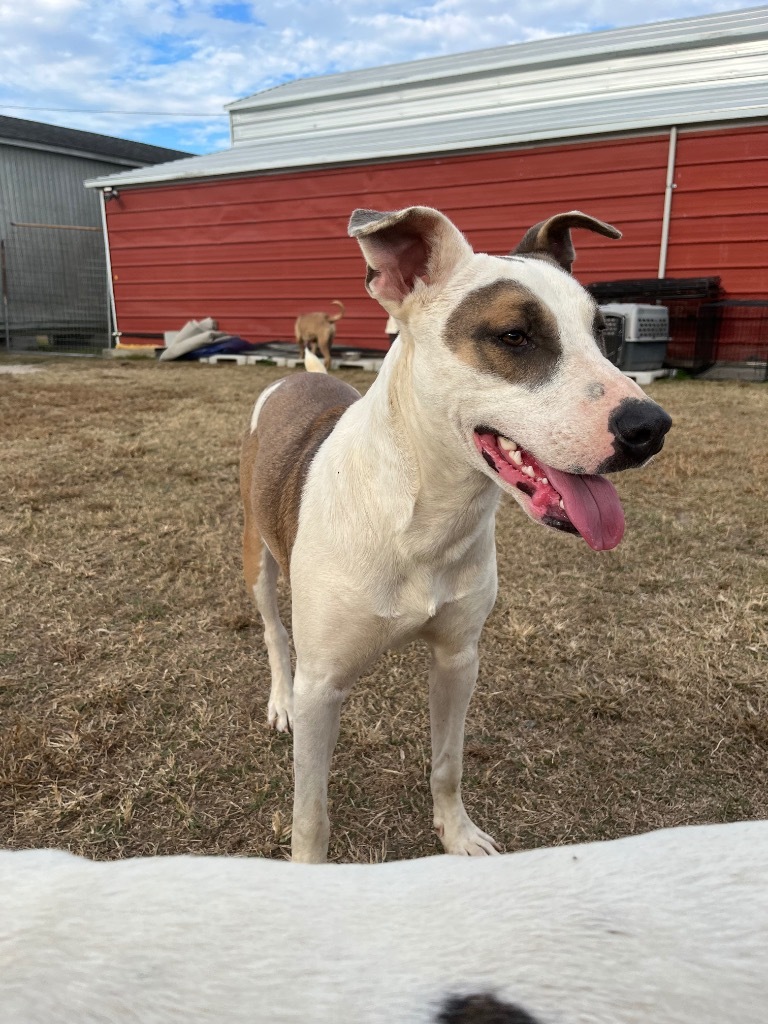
point(618, 692)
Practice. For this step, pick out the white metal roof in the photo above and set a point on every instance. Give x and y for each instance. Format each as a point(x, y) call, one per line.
point(692, 71)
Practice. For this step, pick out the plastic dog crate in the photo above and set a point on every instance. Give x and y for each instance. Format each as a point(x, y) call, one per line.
point(693, 338)
point(637, 336)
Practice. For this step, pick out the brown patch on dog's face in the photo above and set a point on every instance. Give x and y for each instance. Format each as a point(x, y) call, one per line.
point(505, 330)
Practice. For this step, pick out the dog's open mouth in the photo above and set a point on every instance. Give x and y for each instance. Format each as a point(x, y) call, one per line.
point(585, 505)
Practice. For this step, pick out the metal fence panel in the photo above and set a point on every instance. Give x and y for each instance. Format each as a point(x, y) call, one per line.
point(55, 287)
point(741, 327)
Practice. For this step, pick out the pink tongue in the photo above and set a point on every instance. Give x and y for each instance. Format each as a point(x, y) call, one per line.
point(593, 507)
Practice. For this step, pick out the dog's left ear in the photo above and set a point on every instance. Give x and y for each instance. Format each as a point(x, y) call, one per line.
point(553, 237)
point(404, 247)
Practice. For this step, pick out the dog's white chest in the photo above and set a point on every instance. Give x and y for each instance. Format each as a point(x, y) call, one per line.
point(413, 596)
point(418, 598)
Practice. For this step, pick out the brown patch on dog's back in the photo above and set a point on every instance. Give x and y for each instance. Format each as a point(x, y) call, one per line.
point(475, 333)
point(292, 424)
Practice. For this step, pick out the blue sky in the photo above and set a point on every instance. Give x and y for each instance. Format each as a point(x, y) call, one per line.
point(161, 71)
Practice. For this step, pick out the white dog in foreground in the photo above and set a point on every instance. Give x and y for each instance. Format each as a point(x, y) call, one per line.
point(380, 510)
point(665, 928)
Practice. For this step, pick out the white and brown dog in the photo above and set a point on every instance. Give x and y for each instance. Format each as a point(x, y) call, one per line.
point(380, 510)
point(666, 928)
point(315, 332)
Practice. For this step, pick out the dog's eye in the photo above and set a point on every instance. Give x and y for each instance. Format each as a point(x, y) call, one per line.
point(514, 338)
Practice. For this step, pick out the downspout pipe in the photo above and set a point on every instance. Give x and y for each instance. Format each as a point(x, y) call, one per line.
point(114, 336)
point(668, 190)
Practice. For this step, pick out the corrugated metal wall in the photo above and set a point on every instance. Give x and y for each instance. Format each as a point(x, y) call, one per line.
point(254, 252)
point(36, 185)
point(720, 210)
point(688, 72)
point(56, 279)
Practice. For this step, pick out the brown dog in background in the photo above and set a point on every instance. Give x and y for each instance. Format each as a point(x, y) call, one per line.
point(316, 331)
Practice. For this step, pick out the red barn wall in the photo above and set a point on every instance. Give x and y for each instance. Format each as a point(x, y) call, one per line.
point(720, 210)
point(255, 251)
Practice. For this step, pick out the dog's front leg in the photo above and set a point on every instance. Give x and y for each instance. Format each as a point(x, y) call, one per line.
point(452, 678)
point(317, 716)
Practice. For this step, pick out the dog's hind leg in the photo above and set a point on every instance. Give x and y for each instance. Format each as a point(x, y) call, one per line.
point(325, 345)
point(452, 679)
point(280, 707)
point(263, 585)
point(298, 335)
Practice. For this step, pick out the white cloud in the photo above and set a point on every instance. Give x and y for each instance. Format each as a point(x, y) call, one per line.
point(181, 56)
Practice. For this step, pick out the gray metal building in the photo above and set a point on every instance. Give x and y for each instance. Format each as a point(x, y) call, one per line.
point(52, 252)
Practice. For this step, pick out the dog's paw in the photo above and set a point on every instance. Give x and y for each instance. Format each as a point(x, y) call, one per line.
point(467, 840)
point(280, 715)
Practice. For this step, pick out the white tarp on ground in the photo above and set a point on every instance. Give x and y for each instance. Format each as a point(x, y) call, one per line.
point(194, 334)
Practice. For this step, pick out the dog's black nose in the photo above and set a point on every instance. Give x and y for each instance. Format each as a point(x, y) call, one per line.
point(639, 426)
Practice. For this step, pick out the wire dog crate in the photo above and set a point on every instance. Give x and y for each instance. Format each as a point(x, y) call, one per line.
point(692, 339)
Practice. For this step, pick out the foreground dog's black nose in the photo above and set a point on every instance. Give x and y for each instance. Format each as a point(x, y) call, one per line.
point(639, 426)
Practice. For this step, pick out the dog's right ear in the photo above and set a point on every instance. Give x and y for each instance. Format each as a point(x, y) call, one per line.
point(404, 247)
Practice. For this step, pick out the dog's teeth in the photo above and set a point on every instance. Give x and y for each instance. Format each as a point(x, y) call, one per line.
point(544, 480)
point(517, 458)
point(508, 446)
point(562, 506)
point(529, 471)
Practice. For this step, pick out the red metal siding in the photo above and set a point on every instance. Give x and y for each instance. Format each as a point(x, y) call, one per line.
point(720, 210)
point(254, 252)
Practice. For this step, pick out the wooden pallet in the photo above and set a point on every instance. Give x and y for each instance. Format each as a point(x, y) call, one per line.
point(291, 363)
point(372, 365)
point(269, 360)
point(225, 357)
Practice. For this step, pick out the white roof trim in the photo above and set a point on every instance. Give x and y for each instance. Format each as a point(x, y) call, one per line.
point(562, 50)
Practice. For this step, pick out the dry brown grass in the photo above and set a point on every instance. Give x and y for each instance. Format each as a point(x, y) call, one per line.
point(618, 692)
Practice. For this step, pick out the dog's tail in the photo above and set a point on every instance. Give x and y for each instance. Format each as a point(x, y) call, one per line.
point(335, 302)
point(313, 364)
